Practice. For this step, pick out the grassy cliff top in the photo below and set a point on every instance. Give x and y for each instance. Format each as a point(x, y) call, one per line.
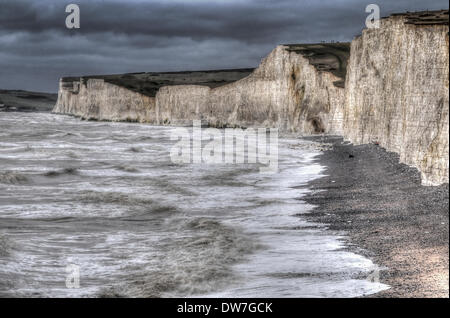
point(326, 57)
point(425, 17)
point(149, 83)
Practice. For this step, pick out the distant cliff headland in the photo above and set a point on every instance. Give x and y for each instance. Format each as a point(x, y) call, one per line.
point(389, 86)
point(24, 101)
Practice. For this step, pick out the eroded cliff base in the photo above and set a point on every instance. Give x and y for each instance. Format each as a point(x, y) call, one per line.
point(388, 215)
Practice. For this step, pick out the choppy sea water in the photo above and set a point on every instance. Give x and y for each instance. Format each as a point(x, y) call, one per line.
point(106, 198)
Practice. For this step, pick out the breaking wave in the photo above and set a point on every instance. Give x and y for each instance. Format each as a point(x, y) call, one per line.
point(5, 246)
point(124, 199)
point(192, 265)
point(12, 178)
point(135, 149)
point(65, 171)
point(127, 168)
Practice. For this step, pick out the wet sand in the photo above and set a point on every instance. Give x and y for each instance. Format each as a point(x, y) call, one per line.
point(387, 215)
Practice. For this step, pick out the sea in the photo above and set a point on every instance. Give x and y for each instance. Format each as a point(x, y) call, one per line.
point(99, 209)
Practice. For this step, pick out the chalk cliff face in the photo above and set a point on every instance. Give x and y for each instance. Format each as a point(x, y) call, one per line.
point(393, 90)
point(397, 93)
point(100, 100)
point(286, 91)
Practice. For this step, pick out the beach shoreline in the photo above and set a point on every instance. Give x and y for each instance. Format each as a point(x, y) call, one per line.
point(386, 214)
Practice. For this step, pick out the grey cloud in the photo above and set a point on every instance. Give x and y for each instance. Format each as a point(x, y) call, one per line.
point(128, 36)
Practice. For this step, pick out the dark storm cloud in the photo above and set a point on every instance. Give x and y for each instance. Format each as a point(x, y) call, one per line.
point(247, 21)
point(126, 36)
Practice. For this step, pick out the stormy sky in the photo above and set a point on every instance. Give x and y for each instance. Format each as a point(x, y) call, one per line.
point(166, 35)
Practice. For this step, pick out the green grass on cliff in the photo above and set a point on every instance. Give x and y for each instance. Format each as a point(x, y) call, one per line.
point(149, 83)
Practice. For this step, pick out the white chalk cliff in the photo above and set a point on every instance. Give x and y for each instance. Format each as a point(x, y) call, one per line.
point(395, 94)
point(397, 91)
